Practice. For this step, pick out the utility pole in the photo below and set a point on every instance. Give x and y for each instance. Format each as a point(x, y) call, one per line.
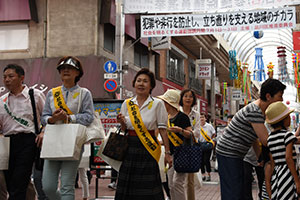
point(212, 93)
point(119, 41)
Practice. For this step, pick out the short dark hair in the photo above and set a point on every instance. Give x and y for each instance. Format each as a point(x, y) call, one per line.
point(78, 63)
point(182, 94)
point(271, 86)
point(279, 124)
point(203, 114)
point(18, 69)
point(147, 72)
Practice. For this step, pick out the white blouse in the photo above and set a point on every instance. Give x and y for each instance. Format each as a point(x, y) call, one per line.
point(153, 112)
point(195, 122)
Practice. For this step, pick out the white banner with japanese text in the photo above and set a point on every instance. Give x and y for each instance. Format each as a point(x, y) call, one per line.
point(181, 6)
point(200, 24)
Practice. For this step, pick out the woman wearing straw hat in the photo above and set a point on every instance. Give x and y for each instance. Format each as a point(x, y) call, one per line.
point(140, 116)
point(180, 128)
point(285, 181)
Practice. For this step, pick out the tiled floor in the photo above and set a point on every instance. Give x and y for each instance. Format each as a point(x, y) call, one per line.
point(209, 190)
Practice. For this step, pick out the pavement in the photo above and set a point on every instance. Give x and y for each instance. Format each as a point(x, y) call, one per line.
point(209, 190)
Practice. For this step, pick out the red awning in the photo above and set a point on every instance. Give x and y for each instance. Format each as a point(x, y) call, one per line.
point(18, 10)
point(129, 21)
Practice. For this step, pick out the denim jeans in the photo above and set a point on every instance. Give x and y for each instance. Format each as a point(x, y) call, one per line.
point(231, 174)
point(67, 170)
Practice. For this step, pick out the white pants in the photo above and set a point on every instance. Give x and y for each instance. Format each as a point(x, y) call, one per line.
point(177, 184)
point(84, 182)
point(194, 186)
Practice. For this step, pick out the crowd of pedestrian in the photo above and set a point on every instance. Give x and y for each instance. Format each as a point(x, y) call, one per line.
point(256, 137)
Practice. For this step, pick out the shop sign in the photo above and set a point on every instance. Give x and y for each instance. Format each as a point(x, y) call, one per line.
point(236, 94)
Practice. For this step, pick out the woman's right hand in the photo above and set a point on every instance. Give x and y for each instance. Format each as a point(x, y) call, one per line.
point(121, 119)
point(58, 114)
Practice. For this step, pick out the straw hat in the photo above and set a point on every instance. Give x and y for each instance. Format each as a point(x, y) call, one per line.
point(276, 112)
point(172, 97)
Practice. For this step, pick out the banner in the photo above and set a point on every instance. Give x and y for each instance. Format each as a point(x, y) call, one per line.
point(200, 24)
point(181, 6)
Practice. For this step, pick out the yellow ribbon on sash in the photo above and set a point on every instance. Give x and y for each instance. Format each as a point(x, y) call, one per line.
point(145, 137)
point(59, 101)
point(206, 137)
point(176, 141)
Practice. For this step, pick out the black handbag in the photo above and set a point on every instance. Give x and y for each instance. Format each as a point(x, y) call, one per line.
point(116, 146)
point(187, 158)
point(38, 162)
point(206, 146)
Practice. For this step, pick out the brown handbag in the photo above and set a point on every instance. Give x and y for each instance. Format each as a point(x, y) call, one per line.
point(116, 146)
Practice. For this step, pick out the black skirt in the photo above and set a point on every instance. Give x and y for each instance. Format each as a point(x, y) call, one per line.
point(139, 177)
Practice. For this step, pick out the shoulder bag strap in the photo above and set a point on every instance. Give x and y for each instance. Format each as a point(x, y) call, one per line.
point(36, 127)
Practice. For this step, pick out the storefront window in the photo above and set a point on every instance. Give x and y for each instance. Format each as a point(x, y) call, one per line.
point(194, 83)
point(14, 36)
point(141, 55)
point(175, 69)
point(109, 37)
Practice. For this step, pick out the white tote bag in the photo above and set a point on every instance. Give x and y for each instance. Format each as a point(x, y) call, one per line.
point(95, 131)
point(4, 153)
point(63, 141)
point(115, 164)
point(85, 159)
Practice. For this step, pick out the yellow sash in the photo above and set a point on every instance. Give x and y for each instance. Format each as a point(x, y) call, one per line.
point(176, 141)
point(59, 101)
point(145, 137)
point(206, 137)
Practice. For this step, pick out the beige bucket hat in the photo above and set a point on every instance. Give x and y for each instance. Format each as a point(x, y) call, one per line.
point(276, 112)
point(172, 97)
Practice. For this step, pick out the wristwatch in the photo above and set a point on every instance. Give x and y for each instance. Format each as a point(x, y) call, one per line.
point(168, 152)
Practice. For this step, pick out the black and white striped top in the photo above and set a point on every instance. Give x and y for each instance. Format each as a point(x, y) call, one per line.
point(239, 134)
point(277, 142)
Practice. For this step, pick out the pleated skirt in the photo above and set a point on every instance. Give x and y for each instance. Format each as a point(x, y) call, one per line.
point(139, 177)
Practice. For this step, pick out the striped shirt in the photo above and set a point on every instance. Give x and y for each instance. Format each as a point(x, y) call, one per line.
point(239, 134)
point(277, 142)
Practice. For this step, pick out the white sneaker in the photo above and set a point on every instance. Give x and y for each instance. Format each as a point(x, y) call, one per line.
point(112, 185)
